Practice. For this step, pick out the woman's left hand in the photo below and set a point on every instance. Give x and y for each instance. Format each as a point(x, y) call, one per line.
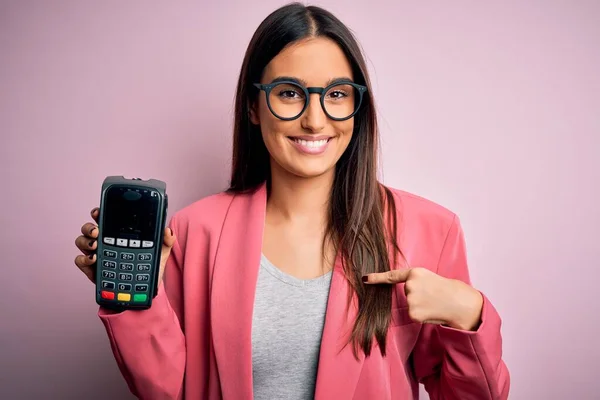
point(434, 299)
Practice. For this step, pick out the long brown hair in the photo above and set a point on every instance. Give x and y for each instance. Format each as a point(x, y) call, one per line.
point(357, 223)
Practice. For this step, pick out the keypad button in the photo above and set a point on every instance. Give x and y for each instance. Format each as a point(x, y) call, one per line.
point(108, 285)
point(147, 244)
point(109, 240)
point(123, 297)
point(109, 274)
point(107, 295)
point(134, 243)
point(143, 267)
point(127, 256)
point(126, 277)
point(141, 288)
point(142, 278)
point(144, 257)
point(122, 242)
point(110, 253)
point(124, 287)
point(139, 297)
point(109, 264)
point(126, 266)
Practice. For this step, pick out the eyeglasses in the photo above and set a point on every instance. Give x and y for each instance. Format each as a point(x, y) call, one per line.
point(288, 100)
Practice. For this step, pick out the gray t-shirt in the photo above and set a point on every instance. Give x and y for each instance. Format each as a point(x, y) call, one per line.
point(287, 325)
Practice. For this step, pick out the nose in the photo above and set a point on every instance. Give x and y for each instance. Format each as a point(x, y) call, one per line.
point(314, 118)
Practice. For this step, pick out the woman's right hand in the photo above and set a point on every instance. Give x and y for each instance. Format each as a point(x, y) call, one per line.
point(87, 244)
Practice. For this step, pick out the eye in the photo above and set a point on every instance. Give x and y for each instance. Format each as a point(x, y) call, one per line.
point(288, 94)
point(338, 94)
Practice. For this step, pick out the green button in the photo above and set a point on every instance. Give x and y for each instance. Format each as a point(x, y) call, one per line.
point(139, 297)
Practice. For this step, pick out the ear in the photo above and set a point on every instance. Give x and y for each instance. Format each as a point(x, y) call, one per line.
point(252, 110)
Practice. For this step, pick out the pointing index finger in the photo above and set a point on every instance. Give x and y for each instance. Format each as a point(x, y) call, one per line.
point(389, 277)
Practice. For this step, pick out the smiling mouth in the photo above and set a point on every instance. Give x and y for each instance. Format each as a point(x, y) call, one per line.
point(311, 146)
point(311, 143)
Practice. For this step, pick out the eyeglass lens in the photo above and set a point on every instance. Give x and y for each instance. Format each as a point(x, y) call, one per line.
point(287, 100)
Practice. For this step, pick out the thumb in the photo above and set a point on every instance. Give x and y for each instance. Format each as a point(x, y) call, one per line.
point(389, 277)
point(168, 238)
point(168, 242)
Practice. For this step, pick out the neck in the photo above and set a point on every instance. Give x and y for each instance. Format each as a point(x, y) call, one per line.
point(297, 199)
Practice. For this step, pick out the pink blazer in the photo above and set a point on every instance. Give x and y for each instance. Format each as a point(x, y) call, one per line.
point(195, 341)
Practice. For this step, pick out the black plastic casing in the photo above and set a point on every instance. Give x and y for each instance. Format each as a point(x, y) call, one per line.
point(110, 267)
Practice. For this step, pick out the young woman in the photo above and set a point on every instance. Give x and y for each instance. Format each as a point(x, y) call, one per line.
point(308, 278)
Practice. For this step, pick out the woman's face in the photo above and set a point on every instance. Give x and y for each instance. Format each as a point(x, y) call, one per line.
point(312, 144)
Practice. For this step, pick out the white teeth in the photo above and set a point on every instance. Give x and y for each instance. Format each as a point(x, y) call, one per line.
point(311, 143)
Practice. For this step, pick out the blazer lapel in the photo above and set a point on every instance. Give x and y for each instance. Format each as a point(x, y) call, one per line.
point(232, 296)
point(338, 370)
point(233, 290)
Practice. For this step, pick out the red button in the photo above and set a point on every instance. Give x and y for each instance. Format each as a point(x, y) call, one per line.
point(108, 295)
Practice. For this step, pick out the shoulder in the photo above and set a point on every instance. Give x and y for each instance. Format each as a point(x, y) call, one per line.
point(430, 235)
point(425, 229)
point(415, 209)
point(206, 213)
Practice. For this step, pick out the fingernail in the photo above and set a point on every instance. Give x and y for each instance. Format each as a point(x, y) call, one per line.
point(92, 243)
point(92, 230)
point(91, 256)
point(365, 278)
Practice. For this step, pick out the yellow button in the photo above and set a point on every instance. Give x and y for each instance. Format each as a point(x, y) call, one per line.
point(124, 297)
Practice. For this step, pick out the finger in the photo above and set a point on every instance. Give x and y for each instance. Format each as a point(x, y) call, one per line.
point(85, 261)
point(168, 242)
point(389, 277)
point(434, 322)
point(169, 238)
point(85, 244)
point(86, 265)
point(95, 213)
point(90, 230)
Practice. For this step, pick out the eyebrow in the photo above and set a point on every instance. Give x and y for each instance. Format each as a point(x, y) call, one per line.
point(304, 83)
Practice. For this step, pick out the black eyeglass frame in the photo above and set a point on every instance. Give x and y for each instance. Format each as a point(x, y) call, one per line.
point(268, 87)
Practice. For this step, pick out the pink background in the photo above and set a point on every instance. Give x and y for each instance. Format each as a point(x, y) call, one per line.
point(489, 108)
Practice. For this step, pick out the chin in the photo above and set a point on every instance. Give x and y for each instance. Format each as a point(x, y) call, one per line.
point(313, 172)
point(308, 170)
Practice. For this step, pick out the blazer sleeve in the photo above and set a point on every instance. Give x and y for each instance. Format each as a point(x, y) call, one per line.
point(455, 364)
point(149, 345)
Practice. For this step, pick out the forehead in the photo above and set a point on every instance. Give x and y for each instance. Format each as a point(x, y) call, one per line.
point(314, 60)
